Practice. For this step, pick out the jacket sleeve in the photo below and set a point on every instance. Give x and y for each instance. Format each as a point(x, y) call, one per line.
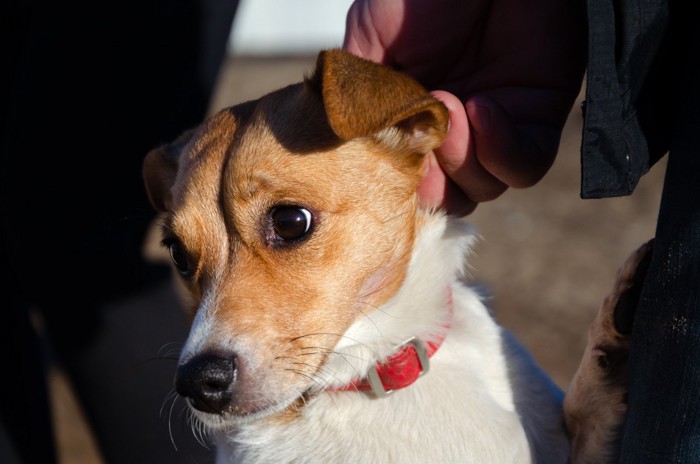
point(629, 94)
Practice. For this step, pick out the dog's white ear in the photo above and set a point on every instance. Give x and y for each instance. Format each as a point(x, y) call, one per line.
point(160, 169)
point(363, 98)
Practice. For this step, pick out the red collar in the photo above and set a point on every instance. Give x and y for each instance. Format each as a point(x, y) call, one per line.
point(410, 361)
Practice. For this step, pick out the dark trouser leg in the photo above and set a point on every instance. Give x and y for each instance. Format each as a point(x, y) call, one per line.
point(87, 90)
point(663, 423)
point(25, 417)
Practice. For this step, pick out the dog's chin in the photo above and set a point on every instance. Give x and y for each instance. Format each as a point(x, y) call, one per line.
point(234, 418)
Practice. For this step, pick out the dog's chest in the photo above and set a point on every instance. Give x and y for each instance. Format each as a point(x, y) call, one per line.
point(385, 435)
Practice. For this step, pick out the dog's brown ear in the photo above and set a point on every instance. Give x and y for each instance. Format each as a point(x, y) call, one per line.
point(160, 169)
point(363, 98)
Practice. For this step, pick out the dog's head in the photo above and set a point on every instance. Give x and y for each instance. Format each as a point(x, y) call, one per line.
point(288, 218)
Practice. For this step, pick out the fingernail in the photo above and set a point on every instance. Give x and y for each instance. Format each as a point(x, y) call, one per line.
point(480, 118)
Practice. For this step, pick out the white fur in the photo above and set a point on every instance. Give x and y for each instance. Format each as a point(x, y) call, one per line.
point(483, 401)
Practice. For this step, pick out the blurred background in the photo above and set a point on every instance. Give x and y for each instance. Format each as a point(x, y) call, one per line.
point(547, 257)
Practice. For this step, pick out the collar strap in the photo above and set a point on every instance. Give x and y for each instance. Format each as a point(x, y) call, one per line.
point(410, 362)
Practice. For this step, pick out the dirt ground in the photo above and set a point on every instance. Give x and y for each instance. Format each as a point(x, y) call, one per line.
point(547, 256)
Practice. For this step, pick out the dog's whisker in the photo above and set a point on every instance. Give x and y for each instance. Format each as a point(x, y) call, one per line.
point(323, 374)
point(168, 352)
point(327, 375)
point(173, 353)
point(313, 378)
point(344, 357)
point(318, 350)
point(399, 215)
point(299, 363)
point(202, 434)
point(170, 422)
point(367, 316)
point(330, 351)
point(315, 369)
point(315, 334)
point(169, 348)
point(171, 396)
point(199, 429)
point(355, 341)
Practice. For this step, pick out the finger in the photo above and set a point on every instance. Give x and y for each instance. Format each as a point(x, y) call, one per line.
point(370, 27)
point(517, 155)
point(458, 158)
point(356, 30)
point(437, 190)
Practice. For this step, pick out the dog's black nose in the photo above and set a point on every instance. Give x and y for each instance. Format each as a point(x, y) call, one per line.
point(205, 381)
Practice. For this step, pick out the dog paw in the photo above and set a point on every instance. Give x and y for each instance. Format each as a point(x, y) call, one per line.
point(596, 401)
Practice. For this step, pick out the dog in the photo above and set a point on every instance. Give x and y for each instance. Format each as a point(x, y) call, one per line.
point(595, 404)
point(332, 315)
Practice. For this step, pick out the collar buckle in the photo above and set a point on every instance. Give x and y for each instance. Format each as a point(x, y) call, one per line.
point(373, 375)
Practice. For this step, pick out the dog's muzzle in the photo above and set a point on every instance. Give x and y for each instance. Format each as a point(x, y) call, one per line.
point(207, 381)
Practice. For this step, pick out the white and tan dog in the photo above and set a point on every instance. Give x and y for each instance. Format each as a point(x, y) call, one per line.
point(321, 291)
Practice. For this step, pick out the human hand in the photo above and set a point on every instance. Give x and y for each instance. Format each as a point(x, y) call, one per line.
point(507, 70)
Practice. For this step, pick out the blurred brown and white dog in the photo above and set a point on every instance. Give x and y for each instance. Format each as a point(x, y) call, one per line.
point(596, 401)
point(321, 291)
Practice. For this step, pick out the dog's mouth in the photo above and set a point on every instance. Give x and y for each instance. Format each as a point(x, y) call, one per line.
point(236, 416)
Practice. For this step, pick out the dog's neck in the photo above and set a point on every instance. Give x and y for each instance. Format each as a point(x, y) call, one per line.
point(410, 361)
point(420, 310)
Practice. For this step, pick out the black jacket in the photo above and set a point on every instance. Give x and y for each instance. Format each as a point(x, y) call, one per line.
point(636, 48)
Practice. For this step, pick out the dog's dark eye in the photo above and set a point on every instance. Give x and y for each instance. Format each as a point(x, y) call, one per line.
point(181, 259)
point(290, 223)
